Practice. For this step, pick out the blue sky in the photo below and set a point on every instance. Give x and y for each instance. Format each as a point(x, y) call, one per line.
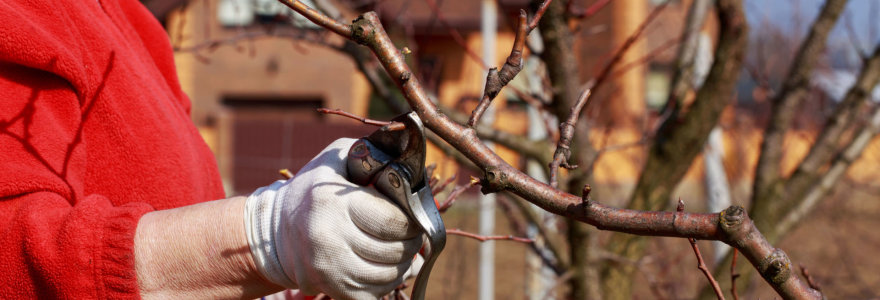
point(795, 16)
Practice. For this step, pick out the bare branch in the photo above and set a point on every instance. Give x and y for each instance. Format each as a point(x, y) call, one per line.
point(682, 79)
point(827, 144)
point(826, 182)
point(566, 133)
point(785, 102)
point(647, 58)
point(438, 188)
point(809, 278)
point(455, 34)
point(566, 129)
point(455, 193)
point(318, 18)
point(854, 37)
point(733, 226)
point(538, 150)
point(733, 277)
point(496, 80)
point(483, 238)
point(538, 14)
point(700, 263)
point(588, 12)
point(390, 126)
point(668, 161)
point(554, 260)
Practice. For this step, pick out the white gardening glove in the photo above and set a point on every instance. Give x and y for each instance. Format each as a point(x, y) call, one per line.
point(318, 232)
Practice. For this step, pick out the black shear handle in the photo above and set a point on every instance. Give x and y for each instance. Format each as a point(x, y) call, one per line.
point(394, 163)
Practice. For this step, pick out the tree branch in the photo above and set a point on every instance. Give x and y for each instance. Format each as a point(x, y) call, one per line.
point(391, 126)
point(682, 79)
point(787, 100)
point(822, 185)
point(673, 151)
point(700, 263)
point(566, 129)
point(827, 145)
point(496, 80)
point(732, 226)
point(483, 238)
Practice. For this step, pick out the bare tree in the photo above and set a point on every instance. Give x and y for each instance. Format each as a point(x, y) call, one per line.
point(732, 226)
point(779, 201)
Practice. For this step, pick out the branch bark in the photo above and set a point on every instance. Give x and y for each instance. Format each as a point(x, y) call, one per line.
point(827, 145)
point(786, 101)
point(673, 151)
point(732, 226)
point(682, 79)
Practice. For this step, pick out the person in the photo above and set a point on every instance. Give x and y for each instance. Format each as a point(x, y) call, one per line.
point(108, 191)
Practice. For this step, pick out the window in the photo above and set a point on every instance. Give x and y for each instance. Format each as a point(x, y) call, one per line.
point(269, 134)
point(235, 13)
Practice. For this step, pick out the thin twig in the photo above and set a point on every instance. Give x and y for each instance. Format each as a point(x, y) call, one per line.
point(496, 80)
point(484, 238)
point(459, 39)
point(538, 14)
point(566, 133)
point(390, 126)
point(546, 250)
point(588, 12)
point(854, 37)
point(809, 278)
point(700, 263)
point(733, 276)
point(319, 18)
point(647, 57)
point(519, 42)
point(552, 287)
point(733, 226)
point(455, 193)
point(441, 187)
point(566, 129)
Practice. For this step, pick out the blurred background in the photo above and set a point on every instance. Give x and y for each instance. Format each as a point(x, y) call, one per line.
point(255, 73)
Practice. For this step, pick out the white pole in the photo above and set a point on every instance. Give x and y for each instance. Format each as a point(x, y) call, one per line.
point(717, 186)
point(718, 197)
point(487, 202)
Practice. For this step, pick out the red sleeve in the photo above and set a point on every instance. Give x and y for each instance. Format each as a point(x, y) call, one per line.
point(57, 242)
point(93, 134)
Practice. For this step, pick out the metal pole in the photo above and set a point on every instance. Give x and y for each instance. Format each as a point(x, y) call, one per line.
point(487, 202)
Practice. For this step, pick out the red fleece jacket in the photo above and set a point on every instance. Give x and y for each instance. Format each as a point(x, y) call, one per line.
point(94, 133)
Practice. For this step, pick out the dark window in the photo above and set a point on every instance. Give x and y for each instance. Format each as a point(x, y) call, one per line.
point(269, 134)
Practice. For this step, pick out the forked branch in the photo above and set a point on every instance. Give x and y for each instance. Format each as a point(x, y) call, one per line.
point(732, 226)
point(566, 129)
point(497, 79)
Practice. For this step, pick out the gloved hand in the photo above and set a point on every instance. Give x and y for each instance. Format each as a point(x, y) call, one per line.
point(320, 233)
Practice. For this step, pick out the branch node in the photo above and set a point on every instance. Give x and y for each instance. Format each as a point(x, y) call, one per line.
point(361, 29)
point(493, 181)
point(405, 76)
point(731, 221)
point(776, 267)
point(585, 196)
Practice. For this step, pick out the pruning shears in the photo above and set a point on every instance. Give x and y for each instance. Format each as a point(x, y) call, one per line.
point(393, 161)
